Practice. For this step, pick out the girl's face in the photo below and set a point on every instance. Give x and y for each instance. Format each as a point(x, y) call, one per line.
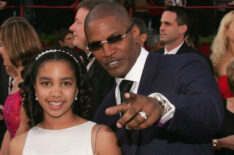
point(56, 88)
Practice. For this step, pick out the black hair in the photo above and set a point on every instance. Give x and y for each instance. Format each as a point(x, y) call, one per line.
point(81, 106)
point(108, 9)
point(62, 33)
point(141, 24)
point(182, 16)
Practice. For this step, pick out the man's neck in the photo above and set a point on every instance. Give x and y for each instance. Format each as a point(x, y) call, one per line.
point(173, 45)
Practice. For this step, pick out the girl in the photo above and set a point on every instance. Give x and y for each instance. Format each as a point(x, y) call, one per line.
point(57, 92)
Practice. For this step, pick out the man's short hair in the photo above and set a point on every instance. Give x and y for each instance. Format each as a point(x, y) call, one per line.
point(141, 24)
point(109, 9)
point(89, 4)
point(182, 16)
point(62, 33)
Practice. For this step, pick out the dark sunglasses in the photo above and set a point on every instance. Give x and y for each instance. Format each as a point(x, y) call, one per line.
point(94, 46)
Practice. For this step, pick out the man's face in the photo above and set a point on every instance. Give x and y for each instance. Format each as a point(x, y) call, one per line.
point(77, 28)
point(119, 57)
point(68, 41)
point(170, 31)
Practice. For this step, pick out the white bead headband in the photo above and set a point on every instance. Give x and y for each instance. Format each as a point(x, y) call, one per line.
point(56, 50)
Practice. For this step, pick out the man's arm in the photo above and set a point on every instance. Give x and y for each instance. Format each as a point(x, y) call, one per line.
point(195, 95)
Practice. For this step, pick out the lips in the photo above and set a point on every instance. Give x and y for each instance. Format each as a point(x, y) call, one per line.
point(55, 104)
point(113, 64)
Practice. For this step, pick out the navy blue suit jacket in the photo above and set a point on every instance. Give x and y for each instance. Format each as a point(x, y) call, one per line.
point(187, 82)
point(187, 49)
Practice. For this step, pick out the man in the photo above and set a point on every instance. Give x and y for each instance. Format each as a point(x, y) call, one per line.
point(154, 43)
point(102, 81)
point(143, 29)
point(174, 105)
point(65, 38)
point(174, 26)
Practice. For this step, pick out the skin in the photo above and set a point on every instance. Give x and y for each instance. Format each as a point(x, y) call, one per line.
point(56, 82)
point(118, 59)
point(171, 34)
point(68, 41)
point(143, 38)
point(4, 53)
point(77, 28)
point(3, 4)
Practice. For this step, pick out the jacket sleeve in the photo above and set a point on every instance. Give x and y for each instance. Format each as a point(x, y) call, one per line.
point(198, 104)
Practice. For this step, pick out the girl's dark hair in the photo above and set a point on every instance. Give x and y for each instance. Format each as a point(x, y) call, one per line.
point(81, 106)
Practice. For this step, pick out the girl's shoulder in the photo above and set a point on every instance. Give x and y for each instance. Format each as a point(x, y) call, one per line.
point(104, 140)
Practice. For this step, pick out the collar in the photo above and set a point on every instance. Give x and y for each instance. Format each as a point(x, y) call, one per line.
point(136, 71)
point(173, 51)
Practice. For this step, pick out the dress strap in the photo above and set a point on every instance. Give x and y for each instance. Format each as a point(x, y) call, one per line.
point(95, 138)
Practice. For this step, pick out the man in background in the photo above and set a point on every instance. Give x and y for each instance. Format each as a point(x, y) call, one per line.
point(65, 38)
point(101, 80)
point(174, 27)
point(143, 29)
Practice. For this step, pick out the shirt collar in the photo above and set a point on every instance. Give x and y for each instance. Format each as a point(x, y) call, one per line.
point(173, 51)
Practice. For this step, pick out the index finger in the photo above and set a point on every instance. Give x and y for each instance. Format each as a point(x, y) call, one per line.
point(130, 95)
point(116, 109)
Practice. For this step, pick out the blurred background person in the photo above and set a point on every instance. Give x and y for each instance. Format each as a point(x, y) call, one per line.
point(96, 72)
point(143, 29)
point(173, 29)
point(19, 43)
point(224, 142)
point(3, 4)
point(4, 80)
point(223, 52)
point(154, 43)
point(65, 38)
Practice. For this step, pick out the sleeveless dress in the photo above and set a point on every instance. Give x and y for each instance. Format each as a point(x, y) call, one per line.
point(224, 87)
point(11, 112)
point(70, 141)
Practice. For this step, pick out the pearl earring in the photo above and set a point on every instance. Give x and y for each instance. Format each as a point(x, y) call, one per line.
point(76, 98)
point(36, 97)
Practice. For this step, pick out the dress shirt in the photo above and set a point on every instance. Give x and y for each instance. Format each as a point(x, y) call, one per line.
point(173, 51)
point(135, 75)
point(90, 62)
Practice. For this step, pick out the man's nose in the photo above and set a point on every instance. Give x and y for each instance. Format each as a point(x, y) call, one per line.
point(107, 49)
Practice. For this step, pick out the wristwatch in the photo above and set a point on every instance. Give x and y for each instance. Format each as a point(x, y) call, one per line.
point(168, 108)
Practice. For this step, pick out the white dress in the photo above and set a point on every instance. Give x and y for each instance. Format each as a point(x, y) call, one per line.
point(70, 141)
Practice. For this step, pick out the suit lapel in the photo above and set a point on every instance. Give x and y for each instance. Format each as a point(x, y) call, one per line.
point(183, 49)
point(149, 73)
point(160, 51)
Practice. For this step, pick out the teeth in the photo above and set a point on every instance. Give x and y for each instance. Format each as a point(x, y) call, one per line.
point(56, 103)
point(114, 62)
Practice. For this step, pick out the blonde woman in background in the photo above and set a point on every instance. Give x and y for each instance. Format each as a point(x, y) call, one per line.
point(223, 52)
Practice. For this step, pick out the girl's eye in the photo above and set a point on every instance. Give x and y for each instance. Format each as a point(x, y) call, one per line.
point(66, 83)
point(46, 83)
